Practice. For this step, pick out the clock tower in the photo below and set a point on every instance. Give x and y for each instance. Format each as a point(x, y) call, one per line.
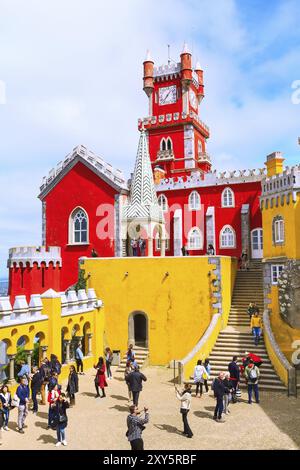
point(177, 136)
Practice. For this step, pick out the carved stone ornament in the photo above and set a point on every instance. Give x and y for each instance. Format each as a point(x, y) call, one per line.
point(289, 293)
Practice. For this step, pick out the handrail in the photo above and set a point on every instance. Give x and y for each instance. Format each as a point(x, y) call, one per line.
point(281, 364)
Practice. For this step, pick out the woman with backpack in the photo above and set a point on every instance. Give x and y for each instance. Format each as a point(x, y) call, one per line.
point(128, 370)
point(207, 375)
point(252, 376)
point(130, 356)
point(228, 392)
point(100, 379)
point(5, 400)
point(60, 413)
point(199, 371)
point(52, 399)
point(72, 386)
point(108, 361)
point(55, 365)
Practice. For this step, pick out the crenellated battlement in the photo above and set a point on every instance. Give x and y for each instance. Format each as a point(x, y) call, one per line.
point(32, 254)
point(173, 119)
point(280, 187)
point(103, 168)
point(211, 179)
point(22, 311)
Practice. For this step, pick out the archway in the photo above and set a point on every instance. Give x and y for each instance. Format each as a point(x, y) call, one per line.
point(138, 329)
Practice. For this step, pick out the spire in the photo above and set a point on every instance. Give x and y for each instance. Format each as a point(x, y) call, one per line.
point(198, 66)
point(185, 49)
point(148, 57)
point(143, 199)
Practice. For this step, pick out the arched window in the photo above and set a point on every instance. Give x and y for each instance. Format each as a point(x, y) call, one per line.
point(194, 201)
point(227, 237)
point(278, 230)
point(227, 198)
point(195, 239)
point(163, 145)
point(200, 148)
point(78, 227)
point(163, 202)
point(169, 144)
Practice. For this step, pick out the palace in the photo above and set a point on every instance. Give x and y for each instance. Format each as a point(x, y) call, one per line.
point(83, 196)
point(111, 267)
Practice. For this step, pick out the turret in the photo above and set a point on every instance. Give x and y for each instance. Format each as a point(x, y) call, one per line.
point(148, 75)
point(186, 67)
point(274, 164)
point(199, 73)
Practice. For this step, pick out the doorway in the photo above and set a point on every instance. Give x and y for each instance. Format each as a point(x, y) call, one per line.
point(257, 243)
point(138, 329)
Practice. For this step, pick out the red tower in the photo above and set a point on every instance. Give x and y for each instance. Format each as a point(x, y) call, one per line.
point(177, 136)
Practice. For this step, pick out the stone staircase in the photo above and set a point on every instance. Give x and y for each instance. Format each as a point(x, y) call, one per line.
point(237, 338)
point(141, 356)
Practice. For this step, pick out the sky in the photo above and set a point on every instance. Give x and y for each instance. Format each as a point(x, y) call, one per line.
point(71, 73)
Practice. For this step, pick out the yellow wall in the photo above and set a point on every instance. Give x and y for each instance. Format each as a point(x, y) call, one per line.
point(178, 306)
point(291, 214)
point(228, 273)
point(283, 333)
point(51, 332)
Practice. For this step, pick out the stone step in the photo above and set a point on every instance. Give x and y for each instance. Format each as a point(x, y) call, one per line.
point(238, 344)
point(262, 387)
point(218, 366)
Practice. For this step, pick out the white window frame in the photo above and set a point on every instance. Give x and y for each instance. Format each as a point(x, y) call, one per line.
point(157, 243)
point(279, 231)
point(72, 227)
point(200, 147)
point(225, 197)
point(163, 141)
point(227, 247)
point(164, 205)
point(276, 270)
point(194, 201)
point(200, 234)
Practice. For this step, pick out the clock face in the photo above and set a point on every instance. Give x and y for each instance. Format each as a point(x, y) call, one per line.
point(193, 99)
point(167, 95)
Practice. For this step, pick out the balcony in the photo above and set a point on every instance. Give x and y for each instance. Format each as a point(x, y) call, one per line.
point(164, 155)
point(163, 120)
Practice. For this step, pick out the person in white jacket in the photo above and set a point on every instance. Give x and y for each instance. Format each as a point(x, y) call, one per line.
point(199, 377)
point(185, 399)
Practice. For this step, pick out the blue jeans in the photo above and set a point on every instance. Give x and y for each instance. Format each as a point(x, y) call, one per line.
point(51, 415)
point(219, 408)
point(6, 416)
point(61, 433)
point(34, 399)
point(256, 333)
point(256, 392)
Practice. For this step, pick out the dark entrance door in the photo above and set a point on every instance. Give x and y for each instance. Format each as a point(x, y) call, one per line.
point(140, 330)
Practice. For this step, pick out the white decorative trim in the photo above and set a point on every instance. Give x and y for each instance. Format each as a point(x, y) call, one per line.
point(220, 238)
point(33, 254)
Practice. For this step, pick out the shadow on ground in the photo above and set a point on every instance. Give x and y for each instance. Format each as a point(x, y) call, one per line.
point(168, 428)
point(47, 439)
point(119, 397)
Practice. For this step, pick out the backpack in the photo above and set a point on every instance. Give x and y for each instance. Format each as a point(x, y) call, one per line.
point(57, 367)
point(253, 374)
point(213, 385)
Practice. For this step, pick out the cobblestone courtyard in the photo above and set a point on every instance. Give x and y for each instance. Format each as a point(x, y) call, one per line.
point(101, 423)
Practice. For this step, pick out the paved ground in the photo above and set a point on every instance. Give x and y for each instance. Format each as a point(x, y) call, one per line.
point(101, 423)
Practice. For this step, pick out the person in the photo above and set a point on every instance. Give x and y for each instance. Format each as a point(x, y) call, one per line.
point(256, 325)
point(108, 361)
point(252, 375)
point(185, 398)
point(183, 250)
point(94, 253)
point(45, 374)
point(208, 370)
point(199, 371)
point(78, 358)
point(135, 427)
point(234, 375)
point(72, 386)
point(24, 371)
point(2, 421)
point(53, 381)
point(52, 398)
point(251, 309)
point(134, 246)
point(210, 250)
point(128, 370)
point(55, 365)
point(5, 399)
point(23, 395)
point(219, 390)
point(100, 379)
point(130, 356)
point(36, 384)
point(142, 246)
point(228, 392)
point(244, 260)
point(61, 418)
point(135, 381)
